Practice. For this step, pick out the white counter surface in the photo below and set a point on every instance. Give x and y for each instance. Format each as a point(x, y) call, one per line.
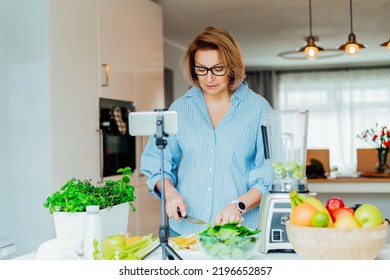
point(199, 255)
point(350, 185)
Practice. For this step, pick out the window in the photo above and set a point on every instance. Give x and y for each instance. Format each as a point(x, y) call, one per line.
point(341, 104)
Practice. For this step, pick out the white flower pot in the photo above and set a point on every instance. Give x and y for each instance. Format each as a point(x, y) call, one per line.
point(71, 225)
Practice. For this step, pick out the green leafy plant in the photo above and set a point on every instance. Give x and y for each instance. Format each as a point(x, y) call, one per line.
point(76, 194)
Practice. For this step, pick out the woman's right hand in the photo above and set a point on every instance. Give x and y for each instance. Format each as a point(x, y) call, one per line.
point(174, 203)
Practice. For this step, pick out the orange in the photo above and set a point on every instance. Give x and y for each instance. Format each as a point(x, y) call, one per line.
point(302, 213)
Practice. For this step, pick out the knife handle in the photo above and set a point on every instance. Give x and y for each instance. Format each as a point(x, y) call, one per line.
point(179, 213)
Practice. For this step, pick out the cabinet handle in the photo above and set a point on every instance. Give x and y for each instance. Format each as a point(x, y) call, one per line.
point(107, 74)
point(100, 156)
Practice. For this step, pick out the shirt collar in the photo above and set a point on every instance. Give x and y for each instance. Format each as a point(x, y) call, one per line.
point(241, 92)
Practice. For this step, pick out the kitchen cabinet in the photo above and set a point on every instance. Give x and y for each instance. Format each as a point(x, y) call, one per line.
point(50, 105)
point(147, 218)
point(149, 91)
point(117, 50)
point(73, 94)
point(131, 52)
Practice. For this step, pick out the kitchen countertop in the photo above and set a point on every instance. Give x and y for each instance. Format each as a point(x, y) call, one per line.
point(199, 255)
point(350, 185)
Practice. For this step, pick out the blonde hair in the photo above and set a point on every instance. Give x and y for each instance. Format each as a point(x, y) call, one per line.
point(219, 39)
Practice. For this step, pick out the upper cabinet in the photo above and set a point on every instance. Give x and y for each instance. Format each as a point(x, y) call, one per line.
point(131, 52)
point(116, 28)
point(150, 58)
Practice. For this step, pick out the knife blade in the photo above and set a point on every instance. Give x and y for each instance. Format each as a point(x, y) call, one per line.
point(191, 219)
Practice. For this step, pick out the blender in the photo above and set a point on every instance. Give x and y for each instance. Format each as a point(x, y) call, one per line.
point(285, 142)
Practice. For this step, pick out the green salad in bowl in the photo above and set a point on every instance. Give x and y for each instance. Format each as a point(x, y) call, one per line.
point(229, 241)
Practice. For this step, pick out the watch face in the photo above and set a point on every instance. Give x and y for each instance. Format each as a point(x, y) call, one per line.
point(241, 205)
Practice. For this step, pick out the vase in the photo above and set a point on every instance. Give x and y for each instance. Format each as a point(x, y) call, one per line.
point(71, 225)
point(382, 165)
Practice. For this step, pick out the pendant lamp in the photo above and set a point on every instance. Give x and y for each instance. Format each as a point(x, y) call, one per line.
point(310, 51)
point(386, 44)
point(351, 47)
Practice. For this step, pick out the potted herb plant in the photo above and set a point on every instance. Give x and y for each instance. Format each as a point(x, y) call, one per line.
point(114, 198)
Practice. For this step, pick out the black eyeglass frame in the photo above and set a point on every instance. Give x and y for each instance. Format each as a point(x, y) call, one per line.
point(210, 69)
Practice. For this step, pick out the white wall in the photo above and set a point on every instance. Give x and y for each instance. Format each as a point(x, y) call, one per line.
point(25, 130)
point(172, 56)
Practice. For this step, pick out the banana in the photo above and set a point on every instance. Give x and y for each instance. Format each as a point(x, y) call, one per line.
point(293, 203)
point(298, 199)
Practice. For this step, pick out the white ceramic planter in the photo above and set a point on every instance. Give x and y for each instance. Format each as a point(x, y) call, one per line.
point(71, 225)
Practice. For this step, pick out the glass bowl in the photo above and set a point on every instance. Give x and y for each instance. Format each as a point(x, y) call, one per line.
point(230, 248)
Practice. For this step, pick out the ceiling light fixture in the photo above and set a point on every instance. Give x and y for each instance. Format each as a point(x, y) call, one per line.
point(351, 47)
point(386, 44)
point(310, 51)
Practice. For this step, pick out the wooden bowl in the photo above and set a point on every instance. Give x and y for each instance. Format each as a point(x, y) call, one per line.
point(337, 244)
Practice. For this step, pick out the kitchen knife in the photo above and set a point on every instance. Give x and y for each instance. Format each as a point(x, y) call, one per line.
point(192, 220)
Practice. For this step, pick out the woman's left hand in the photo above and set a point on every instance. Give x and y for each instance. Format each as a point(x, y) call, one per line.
point(228, 214)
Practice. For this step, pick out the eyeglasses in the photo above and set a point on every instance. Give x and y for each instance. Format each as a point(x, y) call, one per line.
point(216, 70)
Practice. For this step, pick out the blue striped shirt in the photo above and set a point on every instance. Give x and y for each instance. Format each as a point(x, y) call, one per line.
point(211, 167)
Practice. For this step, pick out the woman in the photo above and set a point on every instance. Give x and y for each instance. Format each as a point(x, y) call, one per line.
point(214, 166)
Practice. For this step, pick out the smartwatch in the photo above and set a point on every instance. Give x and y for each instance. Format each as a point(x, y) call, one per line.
point(241, 206)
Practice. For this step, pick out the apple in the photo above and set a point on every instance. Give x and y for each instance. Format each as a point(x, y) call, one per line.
point(368, 215)
point(346, 222)
point(340, 212)
point(112, 243)
point(334, 203)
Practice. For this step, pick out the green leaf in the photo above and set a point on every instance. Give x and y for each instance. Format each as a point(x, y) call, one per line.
point(75, 195)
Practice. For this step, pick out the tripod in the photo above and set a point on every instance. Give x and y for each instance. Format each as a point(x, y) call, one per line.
point(167, 251)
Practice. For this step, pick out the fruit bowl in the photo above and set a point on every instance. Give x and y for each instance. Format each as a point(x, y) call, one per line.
point(230, 248)
point(337, 243)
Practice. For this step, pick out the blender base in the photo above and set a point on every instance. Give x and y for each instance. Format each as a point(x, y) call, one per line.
point(274, 213)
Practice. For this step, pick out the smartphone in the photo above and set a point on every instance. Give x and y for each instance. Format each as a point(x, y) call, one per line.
point(145, 123)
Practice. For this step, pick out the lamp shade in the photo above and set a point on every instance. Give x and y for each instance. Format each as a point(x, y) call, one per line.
point(352, 47)
point(386, 44)
point(311, 50)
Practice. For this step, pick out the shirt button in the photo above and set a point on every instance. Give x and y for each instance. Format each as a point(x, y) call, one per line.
point(209, 189)
point(211, 150)
point(208, 209)
point(210, 169)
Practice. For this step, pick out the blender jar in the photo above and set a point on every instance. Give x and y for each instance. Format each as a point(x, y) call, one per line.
point(285, 143)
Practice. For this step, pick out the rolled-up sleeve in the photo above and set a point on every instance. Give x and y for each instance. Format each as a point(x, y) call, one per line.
point(151, 161)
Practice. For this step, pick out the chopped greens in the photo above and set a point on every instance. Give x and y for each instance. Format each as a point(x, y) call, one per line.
point(136, 250)
point(229, 241)
point(291, 169)
point(76, 194)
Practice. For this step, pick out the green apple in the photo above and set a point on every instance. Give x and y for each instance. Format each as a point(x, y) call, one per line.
point(368, 215)
point(112, 243)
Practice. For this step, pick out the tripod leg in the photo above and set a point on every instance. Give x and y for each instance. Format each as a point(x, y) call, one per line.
point(152, 251)
point(172, 252)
